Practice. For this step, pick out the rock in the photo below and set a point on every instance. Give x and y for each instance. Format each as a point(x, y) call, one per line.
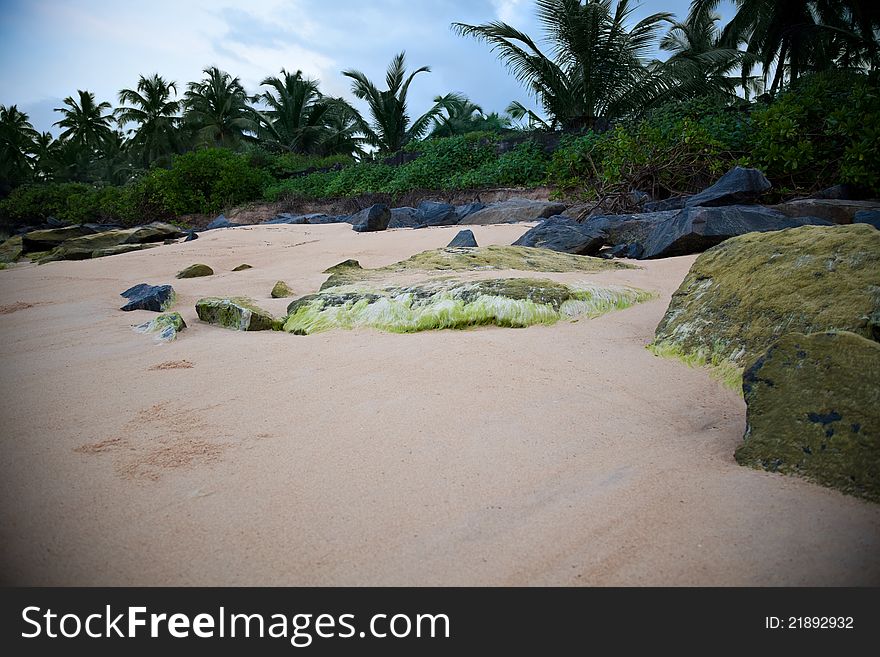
point(325, 219)
point(450, 303)
point(842, 192)
point(628, 228)
point(291, 219)
point(221, 222)
point(196, 271)
point(405, 218)
point(120, 249)
point(870, 217)
point(742, 295)
point(53, 222)
point(281, 291)
point(739, 185)
point(813, 409)
point(468, 209)
point(438, 214)
point(191, 235)
point(157, 298)
point(82, 248)
point(242, 268)
point(12, 249)
point(696, 229)
point(514, 210)
point(835, 211)
point(672, 203)
point(374, 218)
point(633, 251)
point(463, 239)
point(237, 313)
point(46, 240)
point(564, 235)
point(167, 326)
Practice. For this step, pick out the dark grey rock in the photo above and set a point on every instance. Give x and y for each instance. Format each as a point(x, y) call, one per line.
point(371, 219)
point(148, 297)
point(405, 218)
point(563, 234)
point(221, 222)
point(438, 214)
point(464, 238)
point(628, 228)
point(191, 235)
point(696, 229)
point(514, 210)
point(633, 251)
point(672, 203)
point(870, 217)
point(52, 222)
point(739, 185)
point(842, 192)
point(327, 219)
point(468, 209)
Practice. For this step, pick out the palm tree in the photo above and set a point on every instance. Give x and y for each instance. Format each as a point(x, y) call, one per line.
point(85, 123)
point(17, 137)
point(299, 117)
point(461, 116)
point(152, 108)
point(45, 150)
point(701, 62)
point(596, 70)
point(391, 128)
point(217, 109)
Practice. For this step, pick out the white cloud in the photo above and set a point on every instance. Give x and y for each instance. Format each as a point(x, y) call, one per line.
point(510, 11)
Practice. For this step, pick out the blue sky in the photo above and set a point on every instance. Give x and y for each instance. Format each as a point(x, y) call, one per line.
point(50, 48)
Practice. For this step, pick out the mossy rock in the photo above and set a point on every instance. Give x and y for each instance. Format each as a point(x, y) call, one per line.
point(447, 303)
point(11, 249)
point(242, 268)
point(121, 248)
point(814, 410)
point(196, 271)
point(83, 248)
point(742, 295)
point(237, 313)
point(498, 258)
point(281, 291)
point(167, 326)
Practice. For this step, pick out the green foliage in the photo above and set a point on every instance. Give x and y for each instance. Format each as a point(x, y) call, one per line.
point(822, 131)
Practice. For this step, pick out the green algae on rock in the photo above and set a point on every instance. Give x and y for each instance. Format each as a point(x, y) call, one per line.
point(281, 291)
point(11, 249)
point(242, 267)
point(196, 271)
point(120, 248)
point(166, 326)
point(237, 313)
point(519, 258)
point(814, 410)
point(439, 304)
point(742, 295)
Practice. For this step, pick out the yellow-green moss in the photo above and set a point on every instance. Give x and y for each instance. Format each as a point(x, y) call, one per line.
point(237, 313)
point(281, 290)
point(744, 294)
point(196, 271)
point(719, 369)
point(167, 326)
point(440, 304)
point(11, 249)
point(242, 267)
point(498, 258)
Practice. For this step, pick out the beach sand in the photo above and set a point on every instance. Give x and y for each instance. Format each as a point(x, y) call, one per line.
point(560, 455)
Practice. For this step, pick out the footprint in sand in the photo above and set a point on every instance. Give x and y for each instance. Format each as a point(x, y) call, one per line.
point(172, 365)
point(10, 308)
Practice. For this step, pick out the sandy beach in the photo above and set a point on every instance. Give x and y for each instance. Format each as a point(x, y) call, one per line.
point(553, 455)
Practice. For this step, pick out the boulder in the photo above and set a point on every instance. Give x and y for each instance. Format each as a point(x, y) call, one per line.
point(12, 249)
point(166, 326)
point(672, 203)
point(371, 219)
point(742, 295)
point(48, 239)
point(468, 209)
point(835, 211)
point(870, 217)
point(120, 249)
point(292, 219)
point(739, 185)
point(195, 271)
point(842, 192)
point(813, 409)
point(627, 229)
point(191, 235)
point(242, 268)
point(281, 291)
point(157, 298)
point(237, 313)
point(696, 229)
point(405, 218)
point(564, 235)
point(82, 248)
point(514, 210)
point(325, 219)
point(438, 214)
point(221, 222)
point(463, 239)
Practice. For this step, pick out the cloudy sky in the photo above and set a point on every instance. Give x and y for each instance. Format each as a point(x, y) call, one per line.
point(51, 48)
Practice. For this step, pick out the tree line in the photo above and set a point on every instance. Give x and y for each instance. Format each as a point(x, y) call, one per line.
point(597, 69)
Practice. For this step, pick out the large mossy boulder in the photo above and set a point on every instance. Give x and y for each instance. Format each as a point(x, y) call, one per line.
point(93, 245)
point(745, 293)
point(47, 239)
point(142, 296)
point(195, 271)
point(11, 250)
point(564, 235)
point(814, 410)
point(281, 290)
point(165, 327)
point(119, 249)
point(237, 313)
point(449, 303)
